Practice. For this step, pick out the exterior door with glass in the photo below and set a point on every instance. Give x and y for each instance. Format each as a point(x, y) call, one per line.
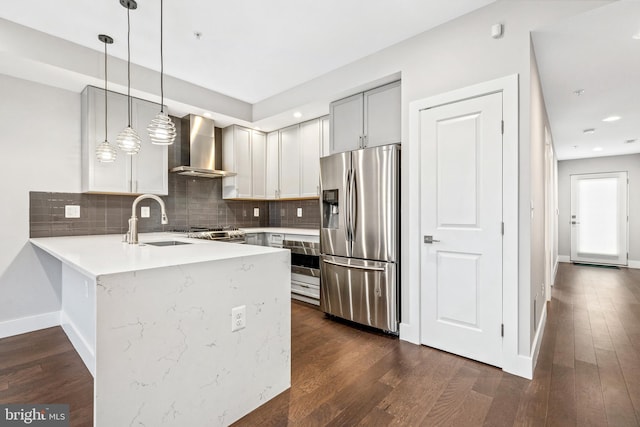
point(599, 218)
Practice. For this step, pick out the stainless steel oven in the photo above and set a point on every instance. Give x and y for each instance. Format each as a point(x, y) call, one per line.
point(305, 257)
point(305, 270)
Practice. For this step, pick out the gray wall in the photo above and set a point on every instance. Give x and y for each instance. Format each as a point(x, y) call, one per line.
point(566, 168)
point(40, 146)
point(454, 55)
point(539, 121)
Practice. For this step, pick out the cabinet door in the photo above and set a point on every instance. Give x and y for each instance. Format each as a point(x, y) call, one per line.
point(346, 123)
point(382, 115)
point(100, 177)
point(273, 165)
point(258, 164)
point(236, 157)
point(325, 148)
point(150, 167)
point(289, 162)
point(310, 158)
point(242, 143)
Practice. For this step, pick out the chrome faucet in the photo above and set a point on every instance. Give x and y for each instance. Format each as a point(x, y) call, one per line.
point(132, 235)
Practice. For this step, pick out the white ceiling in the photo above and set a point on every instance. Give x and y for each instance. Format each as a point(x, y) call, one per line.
point(594, 52)
point(249, 49)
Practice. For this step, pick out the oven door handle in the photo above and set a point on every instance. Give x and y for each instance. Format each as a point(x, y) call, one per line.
point(359, 267)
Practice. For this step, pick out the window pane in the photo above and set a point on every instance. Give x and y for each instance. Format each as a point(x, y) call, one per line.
point(598, 217)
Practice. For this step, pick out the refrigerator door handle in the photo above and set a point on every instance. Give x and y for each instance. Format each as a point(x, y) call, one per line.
point(354, 204)
point(347, 214)
point(359, 267)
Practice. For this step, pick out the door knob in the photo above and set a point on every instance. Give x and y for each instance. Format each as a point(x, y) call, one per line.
point(430, 239)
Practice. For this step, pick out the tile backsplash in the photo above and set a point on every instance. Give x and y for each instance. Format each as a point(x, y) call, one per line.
point(191, 202)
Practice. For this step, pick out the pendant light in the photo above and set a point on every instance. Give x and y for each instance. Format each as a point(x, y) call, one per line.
point(128, 139)
point(105, 152)
point(162, 131)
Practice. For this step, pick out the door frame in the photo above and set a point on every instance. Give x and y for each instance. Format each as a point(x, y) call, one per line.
point(512, 361)
point(624, 213)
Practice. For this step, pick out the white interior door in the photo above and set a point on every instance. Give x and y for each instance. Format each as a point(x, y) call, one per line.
point(599, 218)
point(461, 209)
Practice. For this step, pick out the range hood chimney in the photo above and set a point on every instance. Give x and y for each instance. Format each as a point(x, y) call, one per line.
point(199, 149)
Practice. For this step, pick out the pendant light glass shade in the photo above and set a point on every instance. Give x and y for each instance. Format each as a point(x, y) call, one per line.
point(105, 152)
point(162, 131)
point(128, 140)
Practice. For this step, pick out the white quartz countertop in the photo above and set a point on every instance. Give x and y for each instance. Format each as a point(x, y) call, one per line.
point(107, 254)
point(298, 231)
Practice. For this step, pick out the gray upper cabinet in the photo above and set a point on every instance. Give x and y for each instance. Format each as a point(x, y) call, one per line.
point(325, 148)
point(259, 165)
point(272, 172)
point(367, 119)
point(237, 145)
point(382, 115)
point(145, 172)
point(290, 162)
point(346, 118)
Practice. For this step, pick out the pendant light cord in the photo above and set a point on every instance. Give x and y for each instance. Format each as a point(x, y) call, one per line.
point(161, 62)
point(105, 90)
point(129, 64)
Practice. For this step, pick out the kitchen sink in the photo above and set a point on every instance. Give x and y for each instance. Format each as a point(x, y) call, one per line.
point(167, 243)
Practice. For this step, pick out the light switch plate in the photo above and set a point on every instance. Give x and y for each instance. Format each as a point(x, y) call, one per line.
point(256, 211)
point(145, 212)
point(72, 211)
point(299, 212)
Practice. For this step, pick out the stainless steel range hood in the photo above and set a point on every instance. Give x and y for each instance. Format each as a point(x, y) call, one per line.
point(198, 149)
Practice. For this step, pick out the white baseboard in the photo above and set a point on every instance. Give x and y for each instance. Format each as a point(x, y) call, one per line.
point(12, 327)
point(82, 347)
point(633, 263)
point(523, 366)
point(564, 258)
point(409, 333)
point(537, 340)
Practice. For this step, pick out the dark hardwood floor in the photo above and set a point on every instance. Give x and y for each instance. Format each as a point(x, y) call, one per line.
point(43, 367)
point(588, 371)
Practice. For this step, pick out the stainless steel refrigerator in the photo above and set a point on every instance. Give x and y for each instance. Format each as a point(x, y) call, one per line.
point(359, 236)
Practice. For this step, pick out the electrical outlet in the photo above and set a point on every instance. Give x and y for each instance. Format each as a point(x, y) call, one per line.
point(145, 212)
point(299, 213)
point(72, 211)
point(238, 318)
point(256, 212)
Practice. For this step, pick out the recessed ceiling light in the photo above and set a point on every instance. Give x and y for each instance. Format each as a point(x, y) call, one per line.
point(297, 114)
point(208, 115)
point(589, 131)
point(597, 149)
point(611, 119)
point(630, 141)
point(578, 92)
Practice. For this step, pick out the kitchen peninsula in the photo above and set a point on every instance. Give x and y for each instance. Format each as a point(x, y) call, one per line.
point(154, 325)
